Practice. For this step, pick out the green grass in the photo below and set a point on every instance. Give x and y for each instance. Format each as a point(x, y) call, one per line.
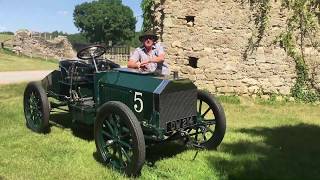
point(11, 62)
point(5, 37)
point(263, 141)
point(229, 99)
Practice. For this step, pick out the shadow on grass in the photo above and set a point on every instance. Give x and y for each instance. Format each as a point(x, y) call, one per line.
point(64, 120)
point(154, 152)
point(287, 152)
point(163, 150)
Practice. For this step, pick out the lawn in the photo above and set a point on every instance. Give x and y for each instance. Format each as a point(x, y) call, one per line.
point(5, 37)
point(264, 140)
point(12, 62)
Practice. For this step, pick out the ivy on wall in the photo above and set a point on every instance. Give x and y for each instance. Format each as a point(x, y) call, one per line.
point(261, 9)
point(302, 25)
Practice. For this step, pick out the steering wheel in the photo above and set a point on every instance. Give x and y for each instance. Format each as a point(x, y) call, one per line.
point(91, 52)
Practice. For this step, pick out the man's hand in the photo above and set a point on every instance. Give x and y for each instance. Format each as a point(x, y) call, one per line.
point(138, 64)
point(144, 63)
point(150, 60)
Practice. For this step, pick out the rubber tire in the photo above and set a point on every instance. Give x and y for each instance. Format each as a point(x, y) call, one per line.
point(45, 108)
point(139, 148)
point(220, 126)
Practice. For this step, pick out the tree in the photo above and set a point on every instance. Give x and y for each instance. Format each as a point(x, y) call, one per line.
point(105, 20)
point(146, 6)
point(7, 32)
point(77, 38)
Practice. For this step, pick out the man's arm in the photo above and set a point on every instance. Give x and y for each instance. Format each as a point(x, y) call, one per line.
point(133, 64)
point(134, 60)
point(157, 59)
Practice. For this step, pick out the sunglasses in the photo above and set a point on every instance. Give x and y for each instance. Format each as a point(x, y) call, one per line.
point(148, 37)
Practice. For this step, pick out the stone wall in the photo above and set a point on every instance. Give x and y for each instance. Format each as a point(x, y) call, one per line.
point(218, 38)
point(27, 44)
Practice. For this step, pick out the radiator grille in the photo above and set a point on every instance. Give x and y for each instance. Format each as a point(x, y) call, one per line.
point(177, 105)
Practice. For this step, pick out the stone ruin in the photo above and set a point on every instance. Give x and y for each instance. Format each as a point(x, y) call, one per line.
point(31, 44)
point(209, 41)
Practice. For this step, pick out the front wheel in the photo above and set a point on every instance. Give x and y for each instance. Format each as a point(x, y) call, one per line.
point(211, 122)
point(119, 138)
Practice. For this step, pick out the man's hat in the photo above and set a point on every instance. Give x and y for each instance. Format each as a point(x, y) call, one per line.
point(150, 34)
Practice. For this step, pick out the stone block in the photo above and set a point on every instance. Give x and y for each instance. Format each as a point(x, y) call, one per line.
point(234, 83)
point(187, 70)
point(198, 71)
point(203, 62)
point(276, 81)
point(241, 89)
point(208, 50)
point(176, 44)
point(201, 77)
point(193, 77)
point(222, 76)
point(253, 96)
point(167, 22)
point(250, 81)
point(225, 89)
point(220, 83)
point(285, 90)
point(253, 89)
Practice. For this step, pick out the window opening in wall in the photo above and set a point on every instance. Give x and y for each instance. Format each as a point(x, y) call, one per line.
point(190, 20)
point(193, 62)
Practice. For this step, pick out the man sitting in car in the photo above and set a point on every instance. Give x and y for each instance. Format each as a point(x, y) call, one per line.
point(149, 57)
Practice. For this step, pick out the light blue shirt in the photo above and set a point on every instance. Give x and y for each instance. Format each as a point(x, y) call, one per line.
point(140, 54)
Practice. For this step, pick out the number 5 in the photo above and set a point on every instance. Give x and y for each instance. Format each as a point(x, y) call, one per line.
point(138, 100)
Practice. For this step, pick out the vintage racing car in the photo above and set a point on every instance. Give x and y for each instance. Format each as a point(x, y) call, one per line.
point(129, 109)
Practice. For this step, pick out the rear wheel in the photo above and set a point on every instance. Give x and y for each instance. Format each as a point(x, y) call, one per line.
point(119, 138)
point(211, 122)
point(36, 108)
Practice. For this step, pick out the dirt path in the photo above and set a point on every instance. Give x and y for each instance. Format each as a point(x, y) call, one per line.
point(22, 76)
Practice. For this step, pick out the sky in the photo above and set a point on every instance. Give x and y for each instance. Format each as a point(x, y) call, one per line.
point(48, 15)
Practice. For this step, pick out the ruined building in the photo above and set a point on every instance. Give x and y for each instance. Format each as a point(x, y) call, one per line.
point(215, 43)
point(25, 42)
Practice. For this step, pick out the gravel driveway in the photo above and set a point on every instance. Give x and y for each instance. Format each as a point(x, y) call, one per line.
point(22, 76)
